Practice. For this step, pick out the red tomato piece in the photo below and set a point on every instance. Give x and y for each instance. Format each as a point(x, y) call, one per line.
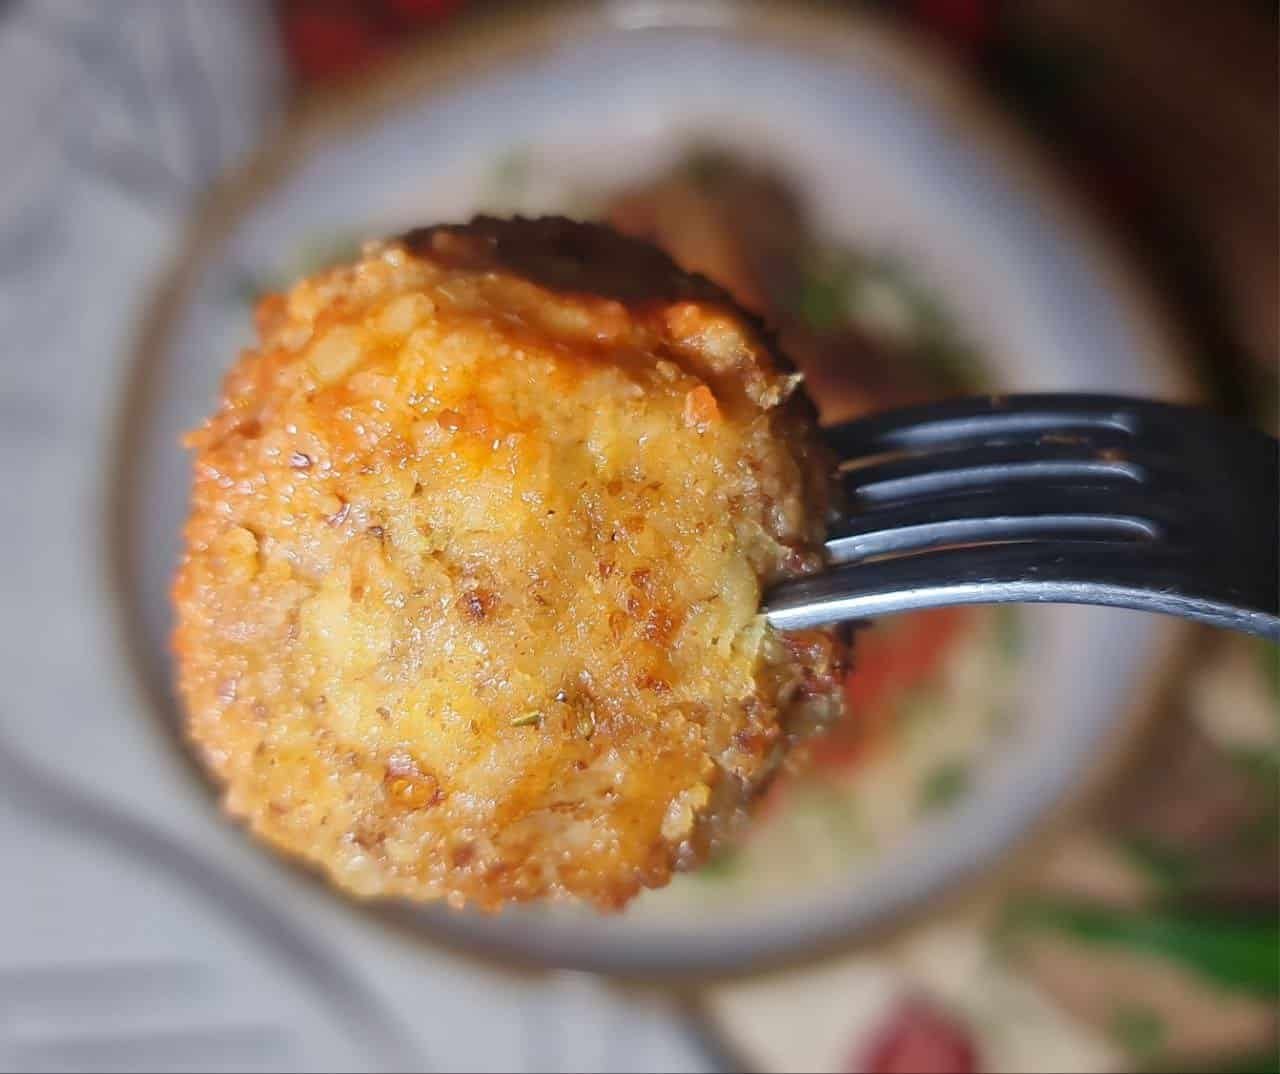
point(889, 660)
point(967, 24)
point(325, 44)
point(919, 1038)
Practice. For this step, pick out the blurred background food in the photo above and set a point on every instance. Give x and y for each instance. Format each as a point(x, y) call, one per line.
point(1141, 932)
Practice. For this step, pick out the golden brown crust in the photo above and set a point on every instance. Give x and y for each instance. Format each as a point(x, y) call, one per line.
point(469, 603)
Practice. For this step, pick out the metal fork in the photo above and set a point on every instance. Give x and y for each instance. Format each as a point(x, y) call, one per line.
point(1068, 499)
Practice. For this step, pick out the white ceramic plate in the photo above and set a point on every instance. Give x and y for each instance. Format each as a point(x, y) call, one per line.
point(895, 156)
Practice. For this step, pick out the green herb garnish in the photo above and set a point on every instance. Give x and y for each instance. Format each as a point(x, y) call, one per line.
point(722, 866)
point(1170, 867)
point(528, 719)
point(1238, 952)
point(944, 785)
point(1009, 631)
point(1138, 1030)
point(823, 298)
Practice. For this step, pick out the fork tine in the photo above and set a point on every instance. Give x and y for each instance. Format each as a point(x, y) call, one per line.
point(930, 473)
point(1197, 438)
point(1060, 498)
point(984, 419)
point(971, 516)
point(1146, 577)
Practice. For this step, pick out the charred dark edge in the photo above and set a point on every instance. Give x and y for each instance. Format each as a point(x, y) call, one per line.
point(530, 247)
point(589, 259)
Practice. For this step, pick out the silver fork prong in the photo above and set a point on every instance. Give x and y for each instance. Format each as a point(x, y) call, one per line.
point(933, 472)
point(988, 515)
point(984, 419)
point(951, 533)
point(1076, 499)
point(1039, 572)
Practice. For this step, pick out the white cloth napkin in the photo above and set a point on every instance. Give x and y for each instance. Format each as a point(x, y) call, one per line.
point(137, 930)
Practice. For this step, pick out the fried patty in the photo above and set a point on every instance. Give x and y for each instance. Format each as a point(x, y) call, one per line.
point(469, 604)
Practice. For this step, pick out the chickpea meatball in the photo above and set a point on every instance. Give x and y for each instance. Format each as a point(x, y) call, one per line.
point(469, 604)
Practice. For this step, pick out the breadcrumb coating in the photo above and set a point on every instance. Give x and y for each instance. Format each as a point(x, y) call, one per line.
point(469, 604)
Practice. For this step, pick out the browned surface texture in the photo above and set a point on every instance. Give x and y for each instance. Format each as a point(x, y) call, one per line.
point(469, 606)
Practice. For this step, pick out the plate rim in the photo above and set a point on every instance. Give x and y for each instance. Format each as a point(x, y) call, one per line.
point(479, 44)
